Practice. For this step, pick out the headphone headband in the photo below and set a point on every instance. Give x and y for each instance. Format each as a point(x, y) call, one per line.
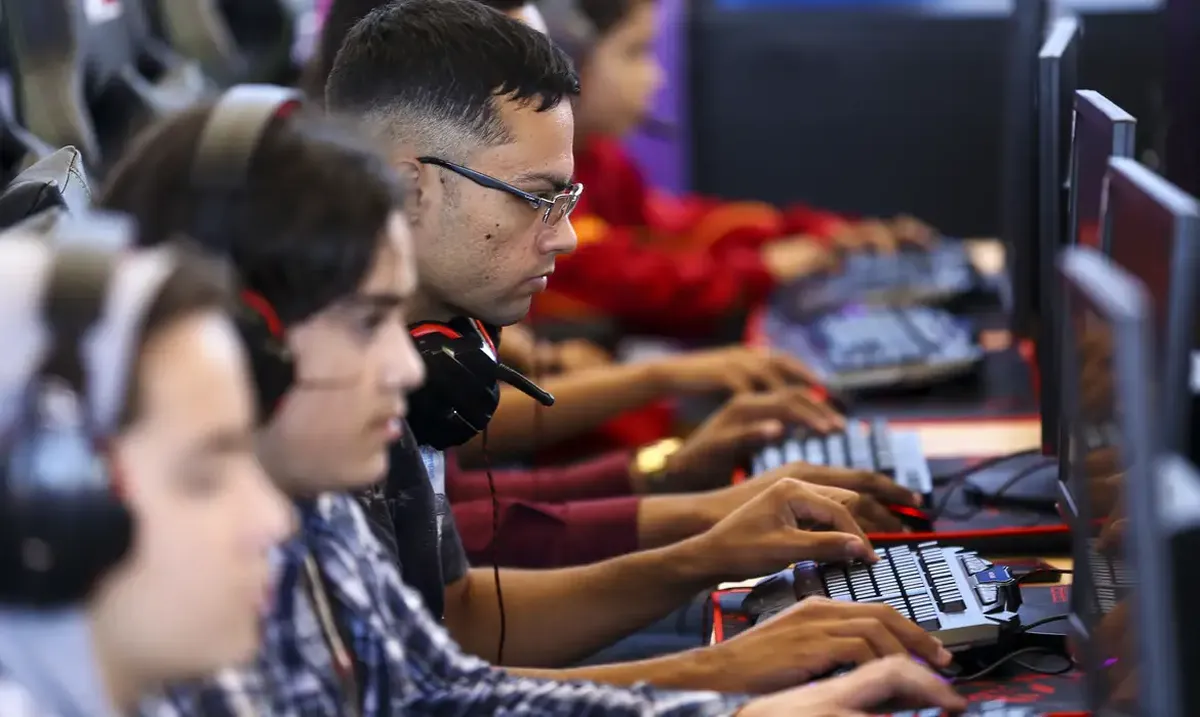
point(70, 318)
point(224, 156)
point(234, 129)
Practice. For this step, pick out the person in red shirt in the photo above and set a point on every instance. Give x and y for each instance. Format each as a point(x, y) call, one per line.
point(656, 263)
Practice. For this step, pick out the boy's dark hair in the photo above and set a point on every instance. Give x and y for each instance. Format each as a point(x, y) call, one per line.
point(303, 231)
point(427, 72)
point(198, 284)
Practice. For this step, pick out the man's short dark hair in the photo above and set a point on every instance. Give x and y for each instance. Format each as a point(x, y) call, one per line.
point(427, 73)
point(506, 5)
point(303, 231)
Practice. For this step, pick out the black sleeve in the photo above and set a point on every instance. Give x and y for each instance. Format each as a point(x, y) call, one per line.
point(413, 508)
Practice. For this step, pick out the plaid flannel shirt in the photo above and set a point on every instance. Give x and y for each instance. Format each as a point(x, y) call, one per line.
point(407, 664)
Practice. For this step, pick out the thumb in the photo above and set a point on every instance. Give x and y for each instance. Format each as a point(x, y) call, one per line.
point(826, 546)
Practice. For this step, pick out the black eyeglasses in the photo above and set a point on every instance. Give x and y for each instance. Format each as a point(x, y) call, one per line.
point(553, 210)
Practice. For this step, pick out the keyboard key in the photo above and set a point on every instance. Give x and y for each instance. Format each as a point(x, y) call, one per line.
point(859, 446)
point(835, 449)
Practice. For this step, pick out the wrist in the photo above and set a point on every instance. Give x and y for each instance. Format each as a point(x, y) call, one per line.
point(650, 469)
point(691, 563)
point(656, 375)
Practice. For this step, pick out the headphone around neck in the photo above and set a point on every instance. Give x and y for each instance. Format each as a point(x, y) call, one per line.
point(224, 157)
point(462, 377)
point(62, 521)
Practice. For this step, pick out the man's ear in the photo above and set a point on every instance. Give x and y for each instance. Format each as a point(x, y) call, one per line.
point(424, 190)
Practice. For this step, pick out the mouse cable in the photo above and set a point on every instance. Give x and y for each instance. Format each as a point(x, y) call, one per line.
point(1015, 656)
point(1045, 620)
point(487, 464)
point(939, 510)
point(961, 475)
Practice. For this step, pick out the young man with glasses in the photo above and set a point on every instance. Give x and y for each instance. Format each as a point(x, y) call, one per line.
point(474, 107)
point(318, 234)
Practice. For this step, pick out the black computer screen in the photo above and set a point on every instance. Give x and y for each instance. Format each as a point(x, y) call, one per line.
point(1107, 360)
point(1154, 229)
point(1058, 62)
point(1018, 211)
point(1102, 130)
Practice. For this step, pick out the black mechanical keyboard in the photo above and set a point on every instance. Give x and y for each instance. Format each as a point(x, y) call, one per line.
point(909, 276)
point(984, 709)
point(861, 348)
point(870, 447)
point(964, 600)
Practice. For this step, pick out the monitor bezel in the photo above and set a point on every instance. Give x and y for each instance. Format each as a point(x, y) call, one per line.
point(1093, 108)
point(1018, 209)
point(1122, 302)
point(1058, 56)
point(1126, 177)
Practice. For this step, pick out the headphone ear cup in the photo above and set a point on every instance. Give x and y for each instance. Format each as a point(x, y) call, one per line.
point(270, 361)
point(460, 393)
point(62, 522)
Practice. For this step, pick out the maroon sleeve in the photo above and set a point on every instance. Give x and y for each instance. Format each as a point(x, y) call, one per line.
point(548, 535)
point(603, 477)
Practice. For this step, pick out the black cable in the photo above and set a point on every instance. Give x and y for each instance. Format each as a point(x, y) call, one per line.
point(487, 464)
point(963, 474)
point(959, 479)
point(1045, 620)
point(1015, 656)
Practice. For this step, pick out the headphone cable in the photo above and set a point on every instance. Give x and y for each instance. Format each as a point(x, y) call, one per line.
point(495, 551)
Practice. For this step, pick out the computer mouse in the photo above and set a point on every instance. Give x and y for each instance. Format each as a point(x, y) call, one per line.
point(770, 594)
point(914, 519)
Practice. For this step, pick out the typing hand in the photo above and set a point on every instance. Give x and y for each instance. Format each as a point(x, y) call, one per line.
point(795, 258)
point(865, 483)
point(910, 230)
point(870, 515)
point(708, 458)
point(817, 636)
point(892, 678)
point(737, 369)
point(769, 533)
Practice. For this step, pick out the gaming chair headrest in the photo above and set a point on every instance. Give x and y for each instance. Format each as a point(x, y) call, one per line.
point(55, 182)
point(569, 27)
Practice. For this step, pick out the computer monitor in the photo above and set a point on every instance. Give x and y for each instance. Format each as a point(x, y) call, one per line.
point(1118, 623)
point(1018, 211)
point(1058, 72)
point(1154, 234)
point(1102, 130)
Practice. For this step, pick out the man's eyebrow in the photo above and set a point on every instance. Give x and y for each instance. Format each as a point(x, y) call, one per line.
point(558, 181)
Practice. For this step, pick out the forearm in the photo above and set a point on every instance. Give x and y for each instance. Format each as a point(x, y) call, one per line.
point(683, 670)
point(556, 617)
point(583, 401)
point(667, 519)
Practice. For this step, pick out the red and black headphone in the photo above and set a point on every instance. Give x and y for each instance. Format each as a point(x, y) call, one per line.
point(224, 155)
point(462, 377)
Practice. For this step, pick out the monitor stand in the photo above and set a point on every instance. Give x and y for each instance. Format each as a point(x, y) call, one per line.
point(999, 486)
